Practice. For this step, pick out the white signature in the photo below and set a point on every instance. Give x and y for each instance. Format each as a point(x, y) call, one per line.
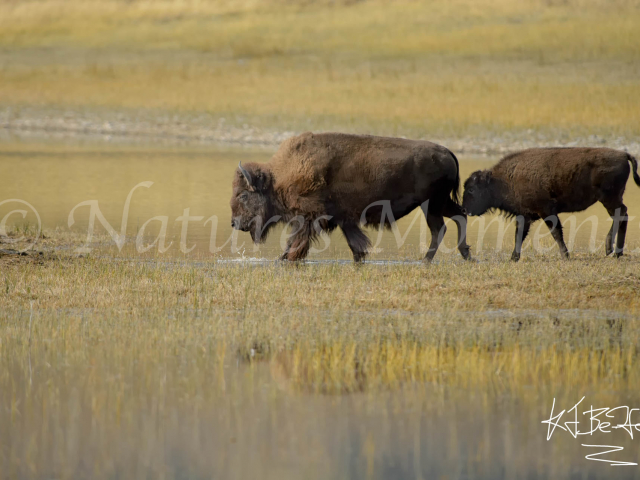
point(603, 420)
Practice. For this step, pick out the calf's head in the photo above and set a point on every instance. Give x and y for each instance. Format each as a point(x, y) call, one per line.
point(478, 193)
point(252, 206)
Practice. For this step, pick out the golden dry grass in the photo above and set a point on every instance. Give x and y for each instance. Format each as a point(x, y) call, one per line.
point(115, 366)
point(390, 67)
point(337, 327)
point(139, 367)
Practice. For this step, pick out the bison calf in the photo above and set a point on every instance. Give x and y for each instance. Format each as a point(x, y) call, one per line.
point(318, 182)
point(540, 183)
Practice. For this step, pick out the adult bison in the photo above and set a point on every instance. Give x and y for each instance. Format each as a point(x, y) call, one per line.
point(540, 183)
point(318, 182)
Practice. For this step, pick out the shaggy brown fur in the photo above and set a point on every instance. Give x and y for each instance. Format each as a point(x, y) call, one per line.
point(540, 183)
point(318, 182)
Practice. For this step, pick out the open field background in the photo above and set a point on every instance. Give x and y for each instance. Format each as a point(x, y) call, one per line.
point(552, 71)
point(120, 365)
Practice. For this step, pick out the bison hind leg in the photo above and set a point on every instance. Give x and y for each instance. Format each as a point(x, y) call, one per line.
point(455, 212)
point(622, 231)
point(618, 229)
point(358, 242)
point(438, 229)
point(612, 200)
point(608, 243)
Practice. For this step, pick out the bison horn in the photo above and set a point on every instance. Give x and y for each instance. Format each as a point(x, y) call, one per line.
point(246, 175)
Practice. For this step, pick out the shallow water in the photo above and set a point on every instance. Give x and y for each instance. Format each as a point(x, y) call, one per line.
point(196, 182)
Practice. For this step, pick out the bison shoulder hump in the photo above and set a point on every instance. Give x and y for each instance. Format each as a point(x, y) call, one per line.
point(300, 164)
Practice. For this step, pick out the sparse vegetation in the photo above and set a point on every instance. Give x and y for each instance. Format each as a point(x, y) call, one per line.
point(438, 68)
point(348, 318)
point(115, 365)
point(92, 346)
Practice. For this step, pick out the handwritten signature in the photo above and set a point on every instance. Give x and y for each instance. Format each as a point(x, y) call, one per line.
point(603, 420)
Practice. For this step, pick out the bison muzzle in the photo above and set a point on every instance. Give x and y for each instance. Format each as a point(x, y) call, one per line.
point(319, 182)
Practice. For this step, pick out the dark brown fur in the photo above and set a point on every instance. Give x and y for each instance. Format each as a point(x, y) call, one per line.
point(318, 182)
point(540, 183)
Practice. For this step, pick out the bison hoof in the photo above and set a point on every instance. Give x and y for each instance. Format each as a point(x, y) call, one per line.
point(428, 258)
point(618, 254)
point(286, 259)
point(515, 257)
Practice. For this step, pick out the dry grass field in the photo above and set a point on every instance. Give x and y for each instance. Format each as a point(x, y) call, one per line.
point(405, 68)
point(120, 365)
point(389, 323)
point(116, 367)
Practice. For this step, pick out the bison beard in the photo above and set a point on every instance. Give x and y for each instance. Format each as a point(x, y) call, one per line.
point(317, 183)
point(540, 183)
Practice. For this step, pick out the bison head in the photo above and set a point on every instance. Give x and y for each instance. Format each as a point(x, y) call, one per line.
point(478, 196)
point(252, 202)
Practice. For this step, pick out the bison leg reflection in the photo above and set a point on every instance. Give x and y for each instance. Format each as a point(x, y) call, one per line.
point(356, 239)
point(522, 230)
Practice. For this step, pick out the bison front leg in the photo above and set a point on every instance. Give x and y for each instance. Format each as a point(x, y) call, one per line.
point(522, 230)
point(299, 241)
point(358, 242)
point(555, 227)
point(297, 248)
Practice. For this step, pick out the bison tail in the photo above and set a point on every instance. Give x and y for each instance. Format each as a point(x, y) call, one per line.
point(634, 169)
point(455, 193)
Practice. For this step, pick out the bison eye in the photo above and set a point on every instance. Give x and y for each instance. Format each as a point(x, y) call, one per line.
point(243, 196)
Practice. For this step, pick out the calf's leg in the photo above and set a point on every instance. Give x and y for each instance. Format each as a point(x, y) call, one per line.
point(620, 219)
point(357, 240)
point(555, 227)
point(522, 230)
point(622, 231)
point(454, 212)
point(608, 243)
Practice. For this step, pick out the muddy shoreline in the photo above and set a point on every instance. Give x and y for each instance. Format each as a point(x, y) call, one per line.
point(31, 123)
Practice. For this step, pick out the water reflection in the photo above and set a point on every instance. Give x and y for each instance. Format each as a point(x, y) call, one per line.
point(199, 418)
